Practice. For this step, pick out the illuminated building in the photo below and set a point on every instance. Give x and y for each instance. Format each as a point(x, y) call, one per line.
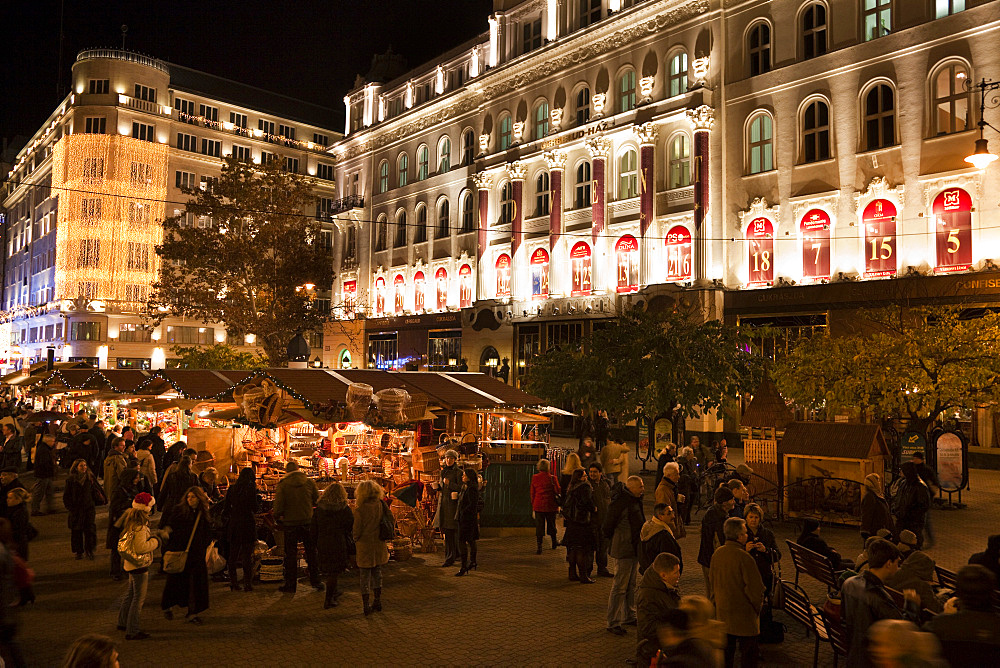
point(767, 162)
point(86, 197)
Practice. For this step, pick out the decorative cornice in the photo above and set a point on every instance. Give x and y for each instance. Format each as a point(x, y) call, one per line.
point(598, 147)
point(878, 188)
point(759, 208)
point(971, 181)
point(555, 160)
point(516, 170)
point(646, 133)
point(702, 118)
point(483, 180)
point(828, 202)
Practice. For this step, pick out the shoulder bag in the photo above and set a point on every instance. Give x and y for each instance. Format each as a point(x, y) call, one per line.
point(387, 524)
point(173, 561)
point(126, 548)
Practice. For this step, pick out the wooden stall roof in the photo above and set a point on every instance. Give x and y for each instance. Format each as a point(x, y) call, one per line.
point(38, 370)
point(445, 392)
point(834, 439)
point(378, 379)
point(505, 393)
point(316, 387)
point(197, 383)
point(767, 408)
point(127, 381)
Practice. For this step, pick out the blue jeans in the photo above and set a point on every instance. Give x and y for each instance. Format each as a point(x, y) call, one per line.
point(128, 614)
point(621, 602)
point(371, 578)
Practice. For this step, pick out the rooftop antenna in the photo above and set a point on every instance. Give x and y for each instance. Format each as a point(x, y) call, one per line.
point(124, 32)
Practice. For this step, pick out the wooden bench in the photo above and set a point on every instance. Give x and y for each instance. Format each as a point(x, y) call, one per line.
point(813, 564)
point(797, 606)
point(836, 633)
point(946, 578)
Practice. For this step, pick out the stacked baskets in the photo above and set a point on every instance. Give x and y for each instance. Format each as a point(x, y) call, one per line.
point(359, 399)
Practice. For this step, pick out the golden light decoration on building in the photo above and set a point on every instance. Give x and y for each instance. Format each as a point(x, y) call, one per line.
point(111, 204)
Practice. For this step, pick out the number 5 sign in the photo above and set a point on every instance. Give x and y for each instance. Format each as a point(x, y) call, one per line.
point(953, 230)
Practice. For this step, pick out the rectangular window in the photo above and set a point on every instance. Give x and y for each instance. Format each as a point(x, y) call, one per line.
point(212, 147)
point(324, 171)
point(200, 335)
point(136, 293)
point(186, 142)
point(129, 332)
point(267, 127)
point(90, 209)
point(138, 212)
point(185, 110)
point(291, 165)
point(444, 350)
point(266, 157)
point(286, 131)
point(89, 253)
point(947, 7)
point(382, 351)
point(531, 37)
point(877, 18)
point(184, 180)
point(141, 173)
point(138, 256)
point(590, 12)
point(321, 140)
point(145, 93)
point(237, 119)
point(97, 125)
point(98, 86)
point(208, 112)
point(93, 169)
point(242, 153)
point(324, 207)
point(134, 363)
point(85, 331)
point(142, 131)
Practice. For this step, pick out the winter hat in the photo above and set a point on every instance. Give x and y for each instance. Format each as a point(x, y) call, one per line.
point(144, 501)
point(744, 471)
point(884, 533)
point(874, 483)
point(921, 564)
point(907, 541)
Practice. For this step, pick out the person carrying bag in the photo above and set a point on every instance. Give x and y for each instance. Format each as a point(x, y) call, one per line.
point(173, 561)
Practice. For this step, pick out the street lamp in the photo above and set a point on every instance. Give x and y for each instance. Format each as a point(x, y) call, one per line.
point(982, 157)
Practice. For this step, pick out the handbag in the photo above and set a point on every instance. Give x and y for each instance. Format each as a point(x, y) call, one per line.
point(777, 593)
point(174, 561)
point(127, 551)
point(214, 561)
point(387, 524)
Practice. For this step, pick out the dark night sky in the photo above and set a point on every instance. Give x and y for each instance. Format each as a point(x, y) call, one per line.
point(308, 49)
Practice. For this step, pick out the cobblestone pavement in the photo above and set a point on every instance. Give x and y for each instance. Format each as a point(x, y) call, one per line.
point(517, 609)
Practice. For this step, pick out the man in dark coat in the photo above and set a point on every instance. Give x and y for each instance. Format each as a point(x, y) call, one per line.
point(657, 595)
point(971, 636)
point(866, 601)
point(657, 537)
point(623, 526)
point(294, 499)
point(159, 450)
point(450, 485)
point(738, 593)
point(45, 474)
point(11, 453)
point(602, 499)
point(712, 535)
point(100, 440)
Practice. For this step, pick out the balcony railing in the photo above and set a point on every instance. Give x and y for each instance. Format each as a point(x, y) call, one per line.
point(121, 54)
point(341, 205)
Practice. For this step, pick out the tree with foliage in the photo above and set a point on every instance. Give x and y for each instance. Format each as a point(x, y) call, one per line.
point(643, 364)
point(898, 362)
point(218, 356)
point(244, 266)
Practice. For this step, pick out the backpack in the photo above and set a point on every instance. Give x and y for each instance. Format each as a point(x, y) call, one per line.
point(386, 525)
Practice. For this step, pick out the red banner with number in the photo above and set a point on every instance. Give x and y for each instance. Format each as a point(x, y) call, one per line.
point(953, 230)
point(879, 219)
point(815, 228)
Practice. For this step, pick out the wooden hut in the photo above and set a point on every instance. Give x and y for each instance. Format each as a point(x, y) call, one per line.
point(763, 424)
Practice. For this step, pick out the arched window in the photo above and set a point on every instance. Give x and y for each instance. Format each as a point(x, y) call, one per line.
point(403, 169)
point(541, 120)
point(441, 288)
point(505, 132)
point(679, 169)
point(379, 296)
point(759, 48)
point(423, 162)
point(381, 232)
point(880, 117)
point(503, 276)
point(489, 361)
point(444, 219)
point(816, 131)
point(582, 199)
point(400, 239)
point(813, 31)
point(628, 174)
point(468, 147)
point(468, 213)
point(420, 234)
point(950, 99)
point(444, 155)
point(399, 293)
point(579, 258)
point(542, 194)
point(677, 82)
point(760, 144)
point(583, 106)
point(419, 292)
point(506, 202)
point(877, 18)
point(465, 286)
point(383, 177)
point(626, 91)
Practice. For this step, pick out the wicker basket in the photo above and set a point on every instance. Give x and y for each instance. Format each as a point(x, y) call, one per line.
point(417, 408)
point(359, 399)
point(391, 403)
point(402, 548)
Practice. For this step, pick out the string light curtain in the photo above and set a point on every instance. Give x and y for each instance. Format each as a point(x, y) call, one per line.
point(111, 192)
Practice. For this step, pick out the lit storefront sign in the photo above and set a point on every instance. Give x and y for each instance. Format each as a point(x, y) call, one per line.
point(580, 261)
point(953, 230)
point(399, 286)
point(379, 296)
point(419, 292)
point(879, 219)
point(465, 286)
point(627, 257)
point(539, 274)
point(503, 276)
point(815, 227)
point(349, 295)
point(441, 281)
point(760, 238)
point(678, 245)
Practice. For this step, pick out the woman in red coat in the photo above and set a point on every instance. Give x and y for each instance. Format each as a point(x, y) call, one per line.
point(545, 503)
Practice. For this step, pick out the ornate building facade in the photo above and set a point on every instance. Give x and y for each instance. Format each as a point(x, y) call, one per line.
point(769, 162)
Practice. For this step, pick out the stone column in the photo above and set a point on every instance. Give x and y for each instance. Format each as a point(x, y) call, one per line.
point(557, 165)
point(516, 171)
point(484, 182)
point(599, 148)
point(702, 119)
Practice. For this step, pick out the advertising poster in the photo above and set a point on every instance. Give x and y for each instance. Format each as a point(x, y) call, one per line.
point(950, 461)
